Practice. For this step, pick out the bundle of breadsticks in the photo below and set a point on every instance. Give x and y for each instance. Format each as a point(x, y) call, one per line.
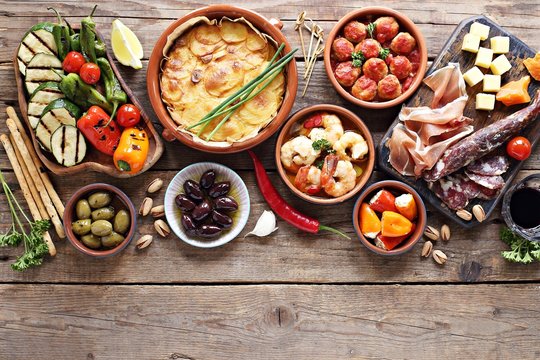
point(43, 201)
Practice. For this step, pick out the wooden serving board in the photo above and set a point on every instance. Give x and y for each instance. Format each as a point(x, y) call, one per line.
point(451, 52)
point(94, 160)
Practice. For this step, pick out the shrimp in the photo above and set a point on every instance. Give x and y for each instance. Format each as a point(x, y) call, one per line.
point(323, 126)
point(308, 179)
point(351, 143)
point(298, 152)
point(343, 171)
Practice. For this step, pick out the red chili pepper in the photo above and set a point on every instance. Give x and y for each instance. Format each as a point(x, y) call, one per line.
point(313, 122)
point(103, 138)
point(280, 206)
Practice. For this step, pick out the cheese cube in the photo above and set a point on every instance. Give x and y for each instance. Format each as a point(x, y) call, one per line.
point(485, 101)
point(500, 65)
point(471, 43)
point(473, 76)
point(492, 83)
point(500, 44)
point(484, 57)
point(480, 30)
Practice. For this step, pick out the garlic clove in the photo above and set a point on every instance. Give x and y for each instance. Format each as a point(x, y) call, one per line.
point(265, 225)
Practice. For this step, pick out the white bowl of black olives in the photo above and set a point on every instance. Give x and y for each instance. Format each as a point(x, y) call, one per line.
point(207, 204)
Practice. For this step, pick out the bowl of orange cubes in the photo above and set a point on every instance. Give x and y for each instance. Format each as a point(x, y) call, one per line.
point(389, 217)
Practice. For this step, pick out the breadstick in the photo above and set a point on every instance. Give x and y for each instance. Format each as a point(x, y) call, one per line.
point(25, 189)
point(44, 177)
point(30, 181)
point(34, 174)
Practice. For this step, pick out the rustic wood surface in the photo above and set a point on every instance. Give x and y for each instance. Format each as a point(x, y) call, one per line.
point(288, 296)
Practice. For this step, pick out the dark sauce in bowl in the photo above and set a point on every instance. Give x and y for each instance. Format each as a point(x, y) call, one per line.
point(525, 207)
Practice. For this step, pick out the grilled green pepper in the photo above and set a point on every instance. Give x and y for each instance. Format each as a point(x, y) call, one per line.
point(61, 35)
point(81, 93)
point(88, 37)
point(113, 90)
point(74, 39)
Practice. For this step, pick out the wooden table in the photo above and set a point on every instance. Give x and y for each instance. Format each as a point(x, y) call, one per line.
point(288, 296)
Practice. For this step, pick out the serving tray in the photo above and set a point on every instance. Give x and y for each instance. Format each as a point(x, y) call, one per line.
point(94, 160)
point(451, 52)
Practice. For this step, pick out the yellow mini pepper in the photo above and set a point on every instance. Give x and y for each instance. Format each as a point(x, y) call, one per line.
point(131, 153)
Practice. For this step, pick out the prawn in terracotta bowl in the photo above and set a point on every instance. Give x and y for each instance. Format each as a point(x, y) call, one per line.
point(325, 154)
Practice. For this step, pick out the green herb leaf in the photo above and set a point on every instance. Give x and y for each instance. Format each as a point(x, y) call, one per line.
point(12, 238)
point(322, 145)
point(358, 59)
point(319, 164)
point(383, 53)
point(521, 250)
point(370, 29)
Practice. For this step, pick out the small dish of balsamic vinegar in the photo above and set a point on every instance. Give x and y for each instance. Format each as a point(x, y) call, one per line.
point(521, 208)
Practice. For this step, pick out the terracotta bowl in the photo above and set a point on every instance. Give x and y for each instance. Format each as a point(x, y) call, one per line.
point(270, 27)
point(405, 24)
point(401, 188)
point(342, 114)
point(120, 201)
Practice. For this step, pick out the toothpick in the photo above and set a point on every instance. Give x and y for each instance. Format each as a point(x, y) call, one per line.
point(319, 32)
point(317, 53)
point(313, 30)
point(299, 26)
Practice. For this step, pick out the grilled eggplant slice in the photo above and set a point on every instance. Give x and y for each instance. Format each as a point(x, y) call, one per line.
point(57, 113)
point(68, 145)
point(40, 98)
point(39, 39)
point(40, 70)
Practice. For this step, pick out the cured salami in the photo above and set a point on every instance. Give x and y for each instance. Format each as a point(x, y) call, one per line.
point(489, 165)
point(492, 182)
point(455, 191)
point(483, 141)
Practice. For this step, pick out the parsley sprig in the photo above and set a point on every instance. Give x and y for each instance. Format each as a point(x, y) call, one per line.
point(323, 145)
point(521, 250)
point(35, 247)
point(370, 29)
point(383, 53)
point(358, 59)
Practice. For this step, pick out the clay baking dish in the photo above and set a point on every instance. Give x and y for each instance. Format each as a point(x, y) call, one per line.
point(343, 114)
point(401, 188)
point(120, 201)
point(271, 27)
point(405, 24)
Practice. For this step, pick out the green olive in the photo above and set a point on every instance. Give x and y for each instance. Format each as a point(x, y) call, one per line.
point(101, 228)
point(112, 240)
point(81, 227)
point(91, 241)
point(122, 222)
point(104, 213)
point(82, 209)
point(99, 199)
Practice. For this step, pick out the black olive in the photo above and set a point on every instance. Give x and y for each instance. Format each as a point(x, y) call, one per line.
point(209, 231)
point(188, 224)
point(202, 210)
point(225, 203)
point(207, 179)
point(219, 189)
point(221, 219)
point(184, 203)
point(193, 190)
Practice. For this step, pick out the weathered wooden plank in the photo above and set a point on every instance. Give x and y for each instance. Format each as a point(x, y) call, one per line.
point(274, 322)
point(287, 256)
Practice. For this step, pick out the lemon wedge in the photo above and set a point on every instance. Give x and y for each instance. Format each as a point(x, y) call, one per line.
point(126, 47)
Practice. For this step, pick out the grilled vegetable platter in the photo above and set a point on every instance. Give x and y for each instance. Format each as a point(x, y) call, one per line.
point(81, 114)
point(463, 136)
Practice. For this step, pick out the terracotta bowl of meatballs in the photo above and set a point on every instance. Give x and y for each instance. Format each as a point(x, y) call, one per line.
point(375, 57)
point(325, 154)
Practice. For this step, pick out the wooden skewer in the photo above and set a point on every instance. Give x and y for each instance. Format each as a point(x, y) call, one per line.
point(317, 53)
point(299, 26)
point(312, 59)
point(30, 181)
point(42, 174)
point(313, 30)
point(34, 173)
point(25, 189)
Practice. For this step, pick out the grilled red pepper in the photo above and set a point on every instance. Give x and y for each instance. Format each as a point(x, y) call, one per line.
point(104, 138)
point(314, 121)
point(280, 206)
point(383, 201)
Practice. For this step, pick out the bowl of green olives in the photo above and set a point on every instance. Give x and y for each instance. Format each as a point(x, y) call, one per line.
point(100, 220)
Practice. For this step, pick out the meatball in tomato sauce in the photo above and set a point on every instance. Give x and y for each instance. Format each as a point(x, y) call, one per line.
point(375, 69)
point(403, 43)
point(414, 58)
point(400, 66)
point(342, 49)
point(354, 31)
point(364, 89)
point(346, 74)
point(386, 28)
point(370, 48)
point(389, 88)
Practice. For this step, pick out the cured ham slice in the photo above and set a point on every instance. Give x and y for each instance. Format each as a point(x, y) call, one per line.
point(425, 133)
